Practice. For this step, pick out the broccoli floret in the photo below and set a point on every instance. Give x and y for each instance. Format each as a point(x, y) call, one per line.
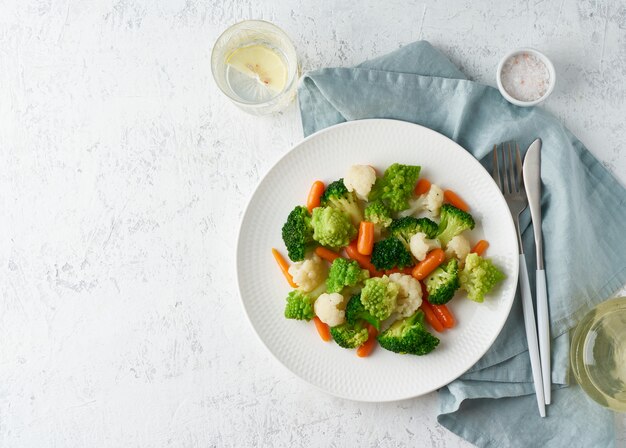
point(299, 306)
point(345, 273)
point(298, 233)
point(453, 221)
point(379, 296)
point(390, 253)
point(396, 186)
point(349, 335)
point(479, 276)
point(332, 227)
point(355, 312)
point(443, 282)
point(409, 335)
point(337, 195)
point(405, 228)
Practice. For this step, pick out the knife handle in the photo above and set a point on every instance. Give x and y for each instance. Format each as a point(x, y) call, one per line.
point(531, 333)
point(543, 324)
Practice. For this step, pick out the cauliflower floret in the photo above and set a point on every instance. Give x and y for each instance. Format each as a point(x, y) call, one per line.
point(458, 247)
point(410, 294)
point(420, 245)
point(434, 200)
point(330, 308)
point(308, 274)
point(430, 202)
point(360, 179)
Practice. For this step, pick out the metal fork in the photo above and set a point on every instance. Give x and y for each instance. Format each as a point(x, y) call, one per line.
point(511, 182)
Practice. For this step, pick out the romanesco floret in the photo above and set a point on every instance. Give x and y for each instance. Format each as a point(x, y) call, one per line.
point(332, 227)
point(409, 335)
point(453, 222)
point(349, 335)
point(299, 306)
point(479, 276)
point(458, 247)
point(330, 309)
point(396, 186)
point(442, 283)
point(355, 312)
point(420, 245)
point(337, 196)
point(430, 201)
point(360, 179)
point(297, 233)
point(345, 273)
point(309, 273)
point(409, 296)
point(390, 253)
point(379, 296)
point(378, 214)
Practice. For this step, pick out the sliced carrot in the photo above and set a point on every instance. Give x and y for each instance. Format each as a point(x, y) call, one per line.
point(367, 347)
point(315, 195)
point(284, 266)
point(322, 329)
point(365, 240)
point(363, 260)
point(480, 247)
point(434, 258)
point(431, 318)
point(452, 198)
point(422, 187)
point(406, 271)
point(444, 315)
point(326, 254)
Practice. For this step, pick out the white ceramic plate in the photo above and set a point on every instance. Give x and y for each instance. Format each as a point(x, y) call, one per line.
point(326, 155)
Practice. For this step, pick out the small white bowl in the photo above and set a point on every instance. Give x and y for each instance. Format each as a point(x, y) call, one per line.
point(542, 57)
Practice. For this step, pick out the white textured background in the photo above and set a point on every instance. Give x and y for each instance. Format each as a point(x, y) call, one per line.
point(123, 174)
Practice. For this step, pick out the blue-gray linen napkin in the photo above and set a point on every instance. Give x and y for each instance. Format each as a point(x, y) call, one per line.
point(584, 226)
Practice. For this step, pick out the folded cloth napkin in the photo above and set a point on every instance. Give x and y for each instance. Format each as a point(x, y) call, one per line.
point(584, 216)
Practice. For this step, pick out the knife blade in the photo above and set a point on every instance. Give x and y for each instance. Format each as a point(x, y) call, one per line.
point(532, 182)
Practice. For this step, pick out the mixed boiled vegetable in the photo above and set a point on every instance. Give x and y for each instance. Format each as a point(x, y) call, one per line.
point(377, 258)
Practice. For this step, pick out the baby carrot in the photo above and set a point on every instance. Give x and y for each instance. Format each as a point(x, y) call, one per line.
point(365, 241)
point(367, 347)
point(443, 315)
point(322, 329)
point(423, 185)
point(452, 198)
point(434, 258)
point(431, 318)
point(480, 247)
point(326, 254)
point(315, 195)
point(284, 266)
point(363, 260)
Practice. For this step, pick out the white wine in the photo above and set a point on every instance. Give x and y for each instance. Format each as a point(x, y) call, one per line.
point(598, 354)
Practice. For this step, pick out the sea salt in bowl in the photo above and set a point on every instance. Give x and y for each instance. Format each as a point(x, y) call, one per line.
point(525, 77)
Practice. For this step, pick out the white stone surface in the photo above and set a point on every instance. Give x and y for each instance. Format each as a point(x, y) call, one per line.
point(124, 172)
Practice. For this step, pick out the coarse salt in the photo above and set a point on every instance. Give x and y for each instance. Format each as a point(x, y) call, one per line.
point(525, 77)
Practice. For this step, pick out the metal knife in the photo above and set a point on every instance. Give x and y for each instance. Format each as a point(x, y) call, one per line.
point(532, 182)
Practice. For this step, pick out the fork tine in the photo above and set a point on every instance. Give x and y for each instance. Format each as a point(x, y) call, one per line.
point(496, 168)
point(505, 172)
point(518, 159)
point(512, 178)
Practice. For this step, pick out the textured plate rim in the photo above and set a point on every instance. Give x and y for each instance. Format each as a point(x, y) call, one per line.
point(464, 153)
